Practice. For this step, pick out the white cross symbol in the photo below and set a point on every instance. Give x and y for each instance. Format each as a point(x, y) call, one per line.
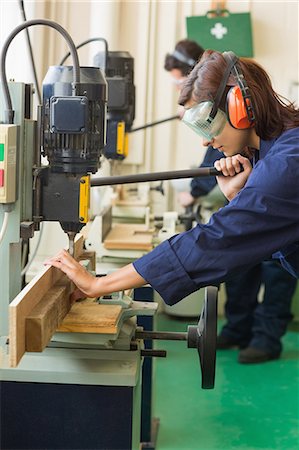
point(218, 30)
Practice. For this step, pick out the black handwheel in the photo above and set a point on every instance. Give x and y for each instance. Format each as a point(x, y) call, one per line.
point(203, 336)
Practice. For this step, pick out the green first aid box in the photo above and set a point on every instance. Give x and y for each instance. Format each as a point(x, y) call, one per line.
point(222, 31)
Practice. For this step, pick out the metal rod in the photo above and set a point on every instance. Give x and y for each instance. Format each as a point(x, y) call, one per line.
point(161, 335)
point(150, 353)
point(156, 176)
point(152, 124)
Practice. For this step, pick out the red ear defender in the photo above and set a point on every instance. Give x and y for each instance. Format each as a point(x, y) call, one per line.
point(237, 112)
point(239, 107)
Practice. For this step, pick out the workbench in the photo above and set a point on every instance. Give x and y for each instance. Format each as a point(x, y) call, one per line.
point(82, 391)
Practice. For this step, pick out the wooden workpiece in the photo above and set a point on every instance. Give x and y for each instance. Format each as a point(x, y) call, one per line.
point(91, 317)
point(129, 237)
point(45, 302)
point(46, 316)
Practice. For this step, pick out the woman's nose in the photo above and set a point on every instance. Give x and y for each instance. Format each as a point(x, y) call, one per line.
point(207, 142)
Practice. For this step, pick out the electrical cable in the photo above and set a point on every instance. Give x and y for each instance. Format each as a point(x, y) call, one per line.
point(9, 113)
point(87, 42)
point(38, 92)
point(21, 5)
point(24, 253)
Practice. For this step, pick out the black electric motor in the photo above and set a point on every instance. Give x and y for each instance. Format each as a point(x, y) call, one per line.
point(118, 67)
point(73, 136)
point(74, 127)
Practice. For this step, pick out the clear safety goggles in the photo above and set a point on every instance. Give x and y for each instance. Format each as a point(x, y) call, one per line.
point(199, 120)
point(178, 81)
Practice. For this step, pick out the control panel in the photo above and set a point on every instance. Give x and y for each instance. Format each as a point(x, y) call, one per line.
point(8, 157)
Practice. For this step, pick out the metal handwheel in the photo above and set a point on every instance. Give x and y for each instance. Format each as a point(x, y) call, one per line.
point(202, 336)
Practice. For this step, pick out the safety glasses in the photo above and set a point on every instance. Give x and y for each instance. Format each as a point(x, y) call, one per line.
point(199, 119)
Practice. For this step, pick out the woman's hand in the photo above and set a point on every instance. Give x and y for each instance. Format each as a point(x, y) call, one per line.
point(87, 284)
point(233, 179)
point(90, 286)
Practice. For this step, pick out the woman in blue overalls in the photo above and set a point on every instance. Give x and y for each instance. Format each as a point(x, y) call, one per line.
point(230, 102)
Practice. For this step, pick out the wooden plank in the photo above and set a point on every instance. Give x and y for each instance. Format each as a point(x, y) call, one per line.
point(129, 237)
point(21, 307)
point(27, 299)
point(91, 317)
point(92, 258)
point(47, 315)
point(78, 246)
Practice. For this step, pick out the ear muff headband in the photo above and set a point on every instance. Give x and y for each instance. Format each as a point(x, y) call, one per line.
point(184, 59)
point(239, 106)
point(219, 95)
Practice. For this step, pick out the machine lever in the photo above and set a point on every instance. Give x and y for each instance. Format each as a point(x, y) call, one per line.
point(151, 353)
point(156, 176)
point(152, 124)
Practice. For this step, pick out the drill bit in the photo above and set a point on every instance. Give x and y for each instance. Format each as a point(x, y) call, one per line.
point(71, 235)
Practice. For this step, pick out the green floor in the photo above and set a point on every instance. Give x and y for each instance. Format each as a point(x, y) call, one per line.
point(252, 406)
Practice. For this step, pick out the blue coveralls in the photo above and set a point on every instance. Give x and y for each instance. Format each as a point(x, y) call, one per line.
point(249, 323)
point(262, 220)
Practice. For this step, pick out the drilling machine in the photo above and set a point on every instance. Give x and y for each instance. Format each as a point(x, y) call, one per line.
point(73, 137)
point(70, 132)
point(118, 67)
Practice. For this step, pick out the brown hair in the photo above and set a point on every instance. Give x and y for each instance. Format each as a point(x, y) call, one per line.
point(190, 50)
point(273, 113)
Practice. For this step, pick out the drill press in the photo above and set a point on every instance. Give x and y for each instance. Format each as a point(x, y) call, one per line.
point(73, 136)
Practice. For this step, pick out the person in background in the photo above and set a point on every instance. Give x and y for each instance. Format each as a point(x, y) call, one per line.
point(180, 63)
point(256, 328)
point(231, 103)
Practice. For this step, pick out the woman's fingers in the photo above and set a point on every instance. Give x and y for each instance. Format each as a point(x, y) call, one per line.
point(232, 165)
point(75, 272)
point(63, 258)
point(245, 162)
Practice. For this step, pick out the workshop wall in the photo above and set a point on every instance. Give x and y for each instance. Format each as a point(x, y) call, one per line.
point(148, 30)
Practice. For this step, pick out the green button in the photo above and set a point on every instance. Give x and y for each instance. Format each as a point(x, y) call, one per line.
point(1, 152)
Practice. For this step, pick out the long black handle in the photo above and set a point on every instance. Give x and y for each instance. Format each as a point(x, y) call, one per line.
point(152, 124)
point(156, 176)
